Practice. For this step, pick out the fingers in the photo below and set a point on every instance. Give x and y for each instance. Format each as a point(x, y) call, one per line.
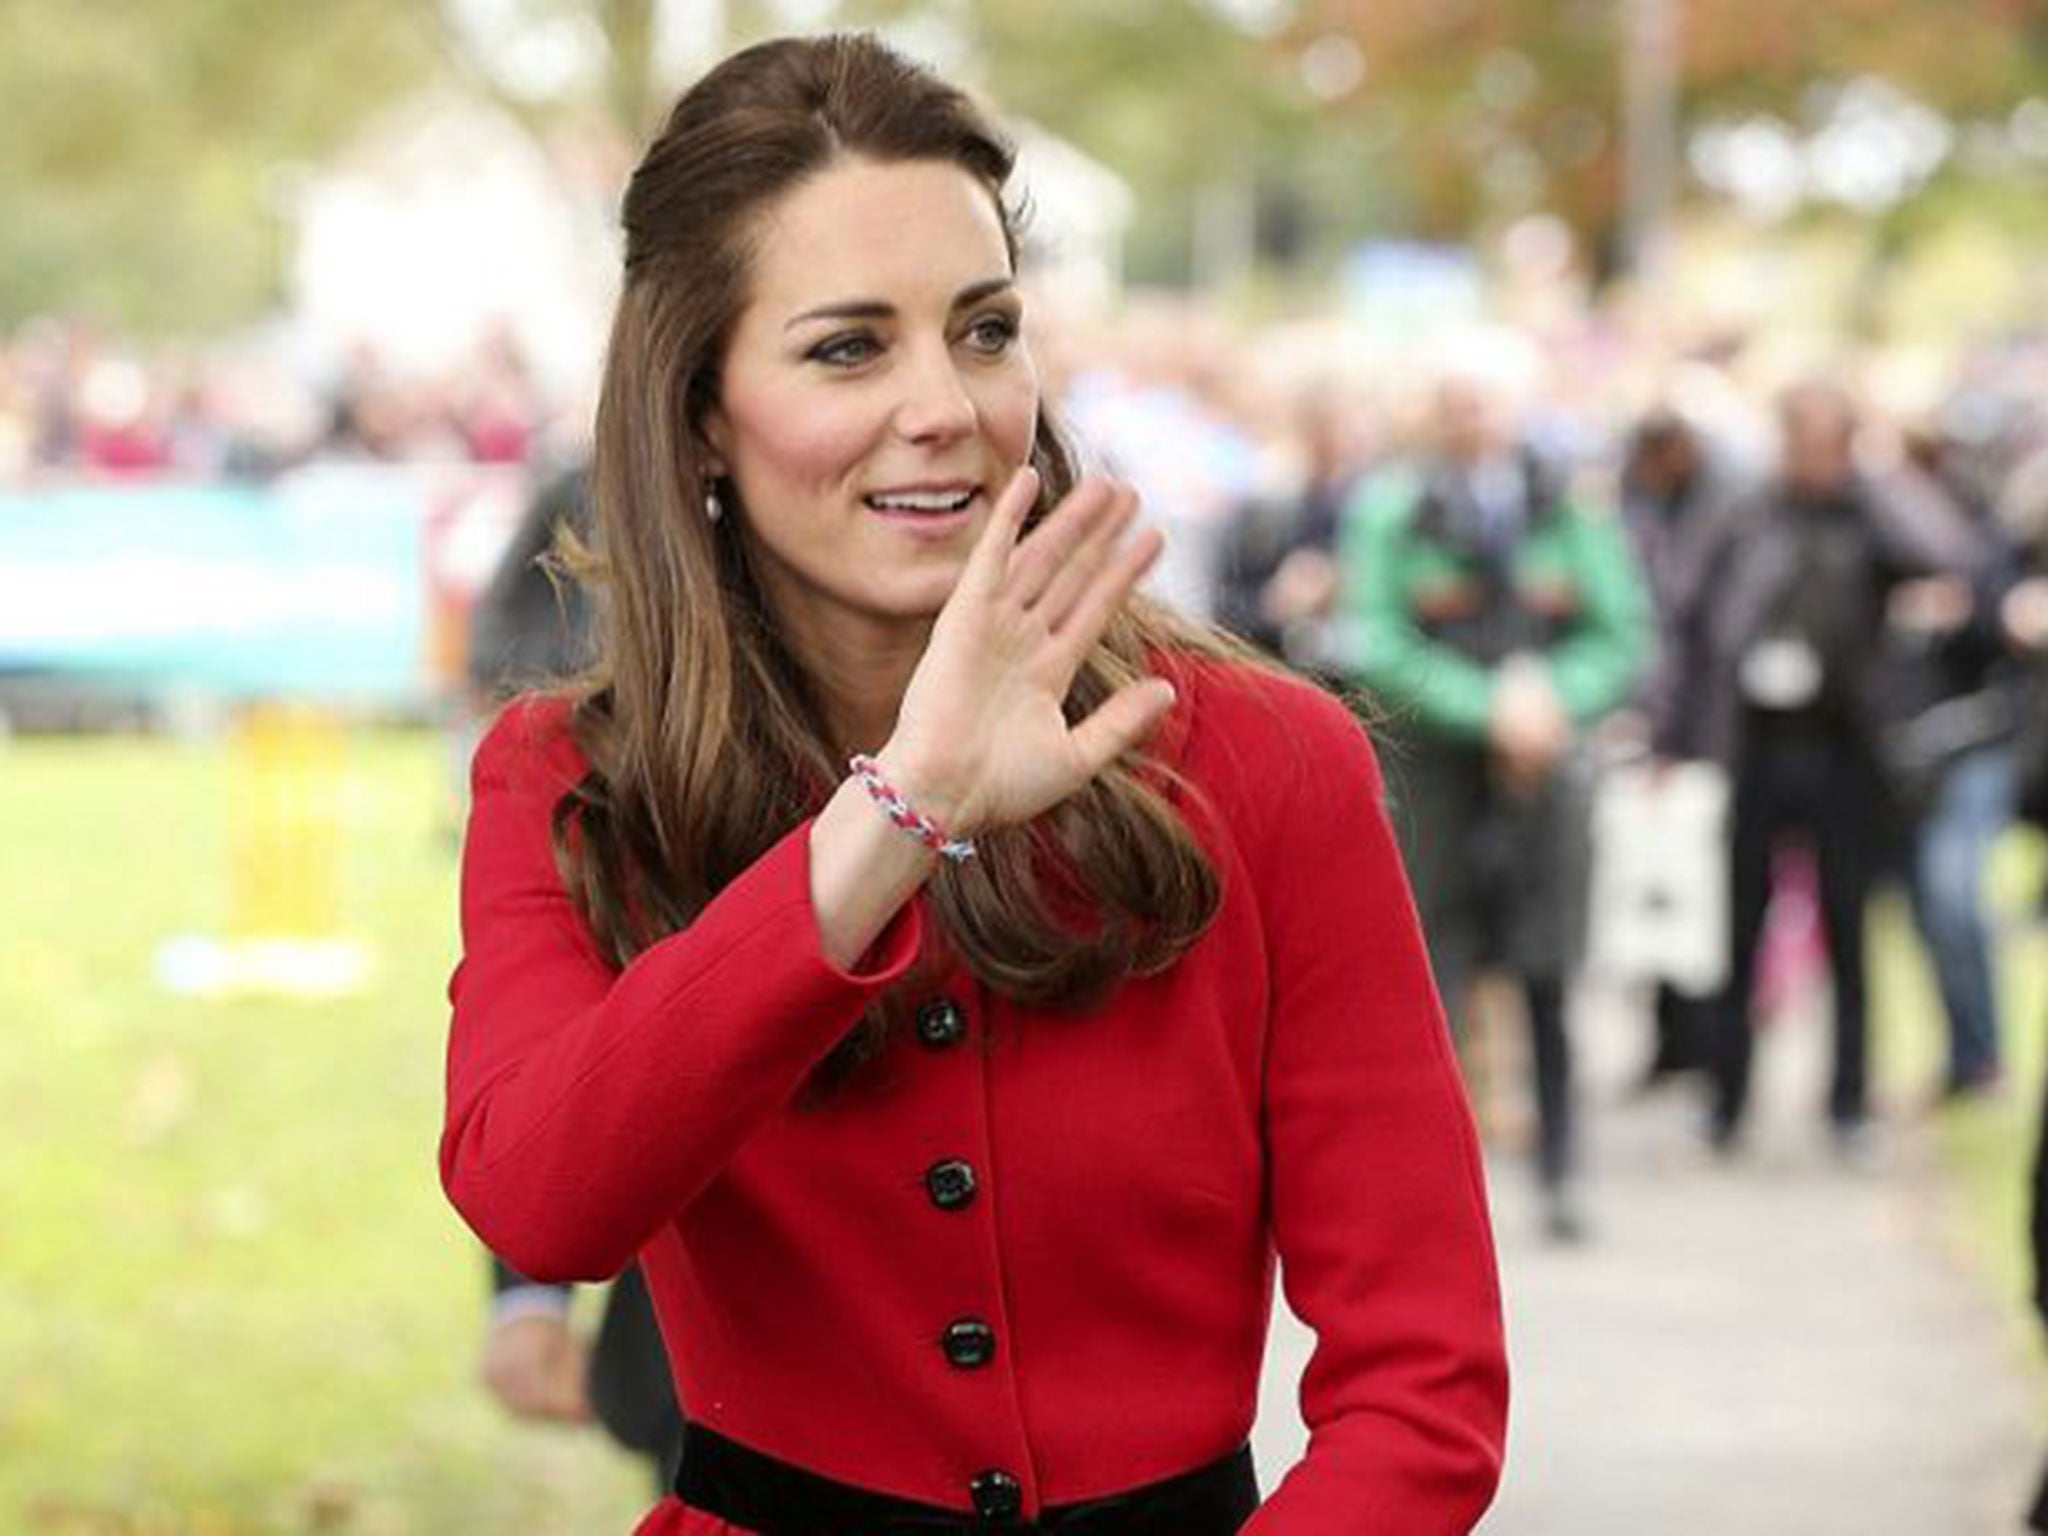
point(1121, 722)
point(1084, 561)
point(1045, 555)
point(1107, 587)
point(990, 559)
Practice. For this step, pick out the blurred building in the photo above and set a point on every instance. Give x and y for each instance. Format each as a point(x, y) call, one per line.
point(447, 218)
point(1078, 212)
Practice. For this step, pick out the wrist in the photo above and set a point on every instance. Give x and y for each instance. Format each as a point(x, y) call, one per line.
point(914, 796)
point(926, 784)
point(530, 1300)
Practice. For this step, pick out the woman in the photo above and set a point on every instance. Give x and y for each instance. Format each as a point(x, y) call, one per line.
point(954, 1105)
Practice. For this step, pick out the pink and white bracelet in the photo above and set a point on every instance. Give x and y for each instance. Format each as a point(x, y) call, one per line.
point(904, 814)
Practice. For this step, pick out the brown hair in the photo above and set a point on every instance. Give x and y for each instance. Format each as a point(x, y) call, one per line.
point(705, 740)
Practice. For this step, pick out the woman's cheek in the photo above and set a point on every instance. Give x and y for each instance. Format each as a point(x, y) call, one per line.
point(820, 446)
point(1013, 419)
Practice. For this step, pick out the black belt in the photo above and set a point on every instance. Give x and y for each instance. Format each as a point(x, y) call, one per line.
point(776, 1498)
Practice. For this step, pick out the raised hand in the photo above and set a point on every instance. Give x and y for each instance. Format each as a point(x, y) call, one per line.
point(980, 740)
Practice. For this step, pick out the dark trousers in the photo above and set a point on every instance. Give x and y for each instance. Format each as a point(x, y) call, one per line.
point(1551, 1053)
point(631, 1391)
point(1500, 883)
point(1825, 792)
point(1550, 1064)
point(1685, 1026)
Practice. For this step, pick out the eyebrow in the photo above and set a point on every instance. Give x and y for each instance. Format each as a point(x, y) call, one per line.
point(876, 309)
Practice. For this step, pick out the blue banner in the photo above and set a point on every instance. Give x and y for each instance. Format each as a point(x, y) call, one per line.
point(322, 583)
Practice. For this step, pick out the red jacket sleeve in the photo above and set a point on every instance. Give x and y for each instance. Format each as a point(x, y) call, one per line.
point(1377, 1189)
point(586, 1106)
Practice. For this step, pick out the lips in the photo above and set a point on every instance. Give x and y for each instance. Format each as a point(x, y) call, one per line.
point(922, 500)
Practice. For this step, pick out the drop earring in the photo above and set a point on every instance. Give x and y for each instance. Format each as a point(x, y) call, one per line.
point(714, 508)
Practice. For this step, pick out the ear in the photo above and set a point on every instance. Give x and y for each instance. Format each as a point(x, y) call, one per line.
point(714, 440)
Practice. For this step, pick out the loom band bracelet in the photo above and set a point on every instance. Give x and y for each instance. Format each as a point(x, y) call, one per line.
point(905, 815)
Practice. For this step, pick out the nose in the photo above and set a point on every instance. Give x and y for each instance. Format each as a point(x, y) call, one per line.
point(936, 406)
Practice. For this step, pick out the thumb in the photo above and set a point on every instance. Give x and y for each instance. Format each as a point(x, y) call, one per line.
point(1121, 721)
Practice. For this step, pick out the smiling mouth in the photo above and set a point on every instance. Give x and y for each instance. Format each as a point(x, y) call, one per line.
point(922, 503)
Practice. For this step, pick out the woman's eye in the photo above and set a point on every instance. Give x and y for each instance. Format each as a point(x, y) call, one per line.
point(992, 333)
point(844, 351)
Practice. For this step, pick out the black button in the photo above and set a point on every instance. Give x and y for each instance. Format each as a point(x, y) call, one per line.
point(970, 1343)
point(997, 1495)
point(940, 1023)
point(950, 1184)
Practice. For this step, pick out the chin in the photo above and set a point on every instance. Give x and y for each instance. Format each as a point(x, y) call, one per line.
point(925, 599)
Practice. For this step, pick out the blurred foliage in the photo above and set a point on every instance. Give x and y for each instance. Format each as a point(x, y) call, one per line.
point(151, 148)
point(1986, 1146)
point(1484, 108)
point(1962, 57)
point(1487, 107)
point(1170, 92)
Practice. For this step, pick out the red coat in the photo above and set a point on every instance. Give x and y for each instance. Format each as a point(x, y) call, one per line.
point(1288, 1085)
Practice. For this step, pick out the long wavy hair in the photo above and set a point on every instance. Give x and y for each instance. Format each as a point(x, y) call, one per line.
point(706, 741)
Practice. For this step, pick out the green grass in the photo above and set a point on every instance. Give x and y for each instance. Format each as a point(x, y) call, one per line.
point(232, 1298)
point(1986, 1148)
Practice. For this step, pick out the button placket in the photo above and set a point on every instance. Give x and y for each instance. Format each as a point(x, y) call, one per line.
point(968, 1343)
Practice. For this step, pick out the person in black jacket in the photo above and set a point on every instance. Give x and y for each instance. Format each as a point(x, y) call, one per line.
point(1277, 573)
point(526, 631)
point(529, 629)
point(1784, 647)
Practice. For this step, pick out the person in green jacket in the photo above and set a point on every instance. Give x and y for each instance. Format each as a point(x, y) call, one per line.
point(1493, 620)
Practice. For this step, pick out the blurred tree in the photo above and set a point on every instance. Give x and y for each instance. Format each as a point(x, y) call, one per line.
point(615, 60)
point(1338, 118)
point(1962, 57)
point(1488, 109)
point(149, 148)
point(1188, 99)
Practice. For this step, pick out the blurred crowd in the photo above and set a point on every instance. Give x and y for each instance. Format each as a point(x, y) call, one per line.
point(1543, 562)
point(78, 401)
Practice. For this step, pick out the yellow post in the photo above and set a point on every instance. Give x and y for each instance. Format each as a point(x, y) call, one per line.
point(284, 819)
point(286, 799)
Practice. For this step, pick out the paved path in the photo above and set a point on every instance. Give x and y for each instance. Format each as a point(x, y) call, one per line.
point(1773, 1348)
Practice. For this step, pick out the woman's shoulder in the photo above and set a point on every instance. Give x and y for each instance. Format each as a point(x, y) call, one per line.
point(530, 746)
point(1242, 725)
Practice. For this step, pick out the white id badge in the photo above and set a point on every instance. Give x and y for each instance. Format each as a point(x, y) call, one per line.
point(1781, 672)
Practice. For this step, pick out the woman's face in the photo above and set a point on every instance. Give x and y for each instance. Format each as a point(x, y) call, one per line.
point(876, 394)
